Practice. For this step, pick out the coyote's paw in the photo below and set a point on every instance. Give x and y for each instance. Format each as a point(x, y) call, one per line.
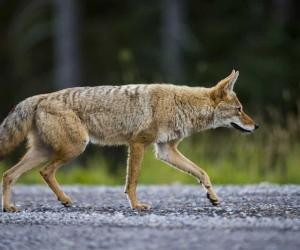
point(213, 199)
point(66, 201)
point(10, 209)
point(141, 206)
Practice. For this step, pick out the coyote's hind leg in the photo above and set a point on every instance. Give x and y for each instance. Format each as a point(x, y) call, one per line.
point(33, 158)
point(48, 174)
point(64, 133)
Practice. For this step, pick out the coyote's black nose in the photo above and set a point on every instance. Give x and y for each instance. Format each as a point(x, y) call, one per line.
point(256, 126)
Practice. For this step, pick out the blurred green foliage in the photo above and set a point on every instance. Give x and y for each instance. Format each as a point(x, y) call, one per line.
point(121, 42)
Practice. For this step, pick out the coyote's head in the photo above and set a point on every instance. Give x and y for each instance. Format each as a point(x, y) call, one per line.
point(228, 110)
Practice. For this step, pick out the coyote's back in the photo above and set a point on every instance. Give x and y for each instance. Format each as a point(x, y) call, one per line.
point(112, 114)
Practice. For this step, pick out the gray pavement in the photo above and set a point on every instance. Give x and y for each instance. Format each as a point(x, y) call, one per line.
point(249, 217)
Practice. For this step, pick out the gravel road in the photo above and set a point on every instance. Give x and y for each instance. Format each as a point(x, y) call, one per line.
point(258, 217)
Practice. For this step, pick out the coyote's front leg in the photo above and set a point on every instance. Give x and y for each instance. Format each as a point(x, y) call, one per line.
point(135, 157)
point(168, 152)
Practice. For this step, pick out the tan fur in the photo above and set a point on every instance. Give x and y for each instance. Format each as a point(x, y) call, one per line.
point(59, 125)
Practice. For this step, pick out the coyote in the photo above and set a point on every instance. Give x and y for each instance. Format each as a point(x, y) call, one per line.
point(59, 125)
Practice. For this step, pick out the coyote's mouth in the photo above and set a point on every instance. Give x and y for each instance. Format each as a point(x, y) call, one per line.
point(240, 128)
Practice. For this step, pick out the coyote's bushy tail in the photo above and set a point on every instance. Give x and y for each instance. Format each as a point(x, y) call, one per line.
point(17, 124)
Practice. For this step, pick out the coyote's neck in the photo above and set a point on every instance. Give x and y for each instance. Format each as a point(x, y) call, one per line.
point(195, 110)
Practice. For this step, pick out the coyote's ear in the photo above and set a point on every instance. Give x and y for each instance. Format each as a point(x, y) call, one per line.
point(226, 85)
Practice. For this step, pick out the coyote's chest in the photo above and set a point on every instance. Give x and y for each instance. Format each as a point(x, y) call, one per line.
point(166, 135)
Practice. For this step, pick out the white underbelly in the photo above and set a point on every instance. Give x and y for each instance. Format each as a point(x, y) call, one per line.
point(109, 140)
